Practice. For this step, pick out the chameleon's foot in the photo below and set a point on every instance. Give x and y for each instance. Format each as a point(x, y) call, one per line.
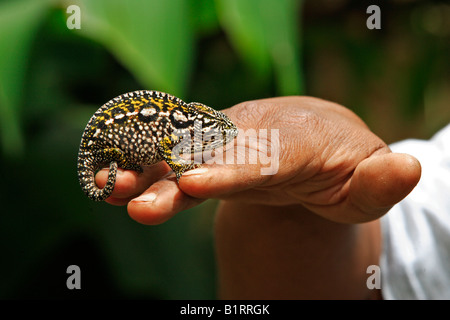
point(180, 169)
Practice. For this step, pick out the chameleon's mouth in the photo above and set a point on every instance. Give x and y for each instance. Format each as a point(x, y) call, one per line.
point(230, 134)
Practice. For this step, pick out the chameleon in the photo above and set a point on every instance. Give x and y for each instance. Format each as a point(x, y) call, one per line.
point(142, 128)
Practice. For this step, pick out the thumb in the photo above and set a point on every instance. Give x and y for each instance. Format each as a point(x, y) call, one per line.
point(378, 183)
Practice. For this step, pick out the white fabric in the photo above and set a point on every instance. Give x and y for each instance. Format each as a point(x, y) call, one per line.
point(415, 261)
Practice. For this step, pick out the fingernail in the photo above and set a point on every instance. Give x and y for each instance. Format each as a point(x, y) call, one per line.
point(148, 197)
point(195, 171)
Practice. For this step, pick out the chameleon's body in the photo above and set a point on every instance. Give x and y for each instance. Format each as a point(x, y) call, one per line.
point(141, 128)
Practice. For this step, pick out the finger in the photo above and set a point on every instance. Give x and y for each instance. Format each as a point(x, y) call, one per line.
point(230, 171)
point(130, 183)
point(378, 183)
point(160, 202)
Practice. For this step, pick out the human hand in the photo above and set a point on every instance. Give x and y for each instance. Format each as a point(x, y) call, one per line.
point(328, 162)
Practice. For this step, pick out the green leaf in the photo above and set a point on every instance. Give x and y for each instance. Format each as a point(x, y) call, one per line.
point(203, 17)
point(266, 34)
point(19, 21)
point(153, 39)
point(241, 20)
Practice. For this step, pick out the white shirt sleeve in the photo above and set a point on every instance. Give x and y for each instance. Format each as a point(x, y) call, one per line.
point(415, 260)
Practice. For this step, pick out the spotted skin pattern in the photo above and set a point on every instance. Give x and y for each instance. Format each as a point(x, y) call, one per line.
point(142, 128)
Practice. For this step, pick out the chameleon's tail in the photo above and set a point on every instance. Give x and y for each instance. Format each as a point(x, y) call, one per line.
point(86, 176)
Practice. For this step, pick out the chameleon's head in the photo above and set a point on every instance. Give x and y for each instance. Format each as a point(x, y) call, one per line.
point(216, 128)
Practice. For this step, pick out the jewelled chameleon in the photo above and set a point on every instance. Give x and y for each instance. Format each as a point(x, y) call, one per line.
point(142, 128)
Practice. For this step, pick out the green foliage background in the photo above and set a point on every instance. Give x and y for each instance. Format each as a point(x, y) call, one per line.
point(219, 52)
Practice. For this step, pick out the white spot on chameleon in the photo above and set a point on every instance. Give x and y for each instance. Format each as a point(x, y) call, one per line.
point(179, 116)
point(97, 132)
point(148, 112)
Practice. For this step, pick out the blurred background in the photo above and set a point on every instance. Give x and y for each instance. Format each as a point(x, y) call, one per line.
point(219, 52)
